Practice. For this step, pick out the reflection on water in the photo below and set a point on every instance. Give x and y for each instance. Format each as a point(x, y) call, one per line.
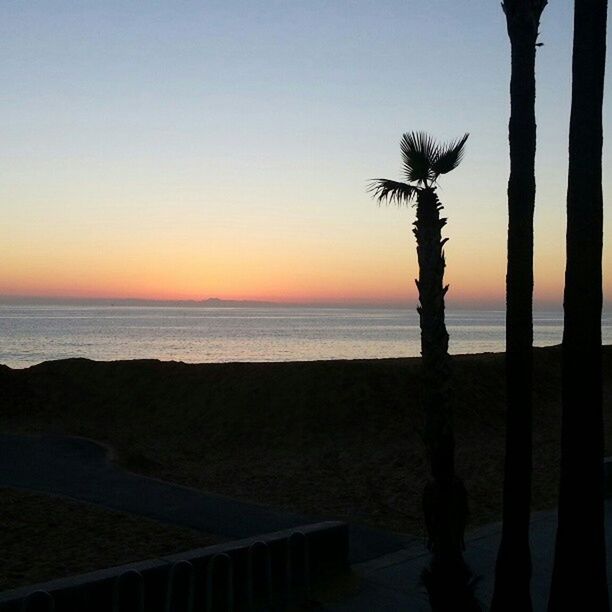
point(31, 334)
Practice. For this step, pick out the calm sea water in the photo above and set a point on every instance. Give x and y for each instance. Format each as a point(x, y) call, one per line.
point(31, 334)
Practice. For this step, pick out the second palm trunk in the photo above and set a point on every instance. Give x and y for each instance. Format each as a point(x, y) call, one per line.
point(444, 499)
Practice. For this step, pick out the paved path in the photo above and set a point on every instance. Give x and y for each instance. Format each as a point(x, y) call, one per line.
point(388, 566)
point(82, 469)
point(391, 583)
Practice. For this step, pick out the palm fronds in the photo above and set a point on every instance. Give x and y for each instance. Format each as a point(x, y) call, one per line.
point(449, 156)
point(419, 152)
point(387, 192)
point(424, 160)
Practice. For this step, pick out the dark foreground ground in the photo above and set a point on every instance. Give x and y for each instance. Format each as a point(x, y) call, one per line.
point(329, 439)
point(44, 537)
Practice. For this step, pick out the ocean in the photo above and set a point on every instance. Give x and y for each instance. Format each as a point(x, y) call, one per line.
point(32, 334)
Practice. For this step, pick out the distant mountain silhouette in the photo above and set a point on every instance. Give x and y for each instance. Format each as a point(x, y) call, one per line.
point(68, 301)
point(220, 302)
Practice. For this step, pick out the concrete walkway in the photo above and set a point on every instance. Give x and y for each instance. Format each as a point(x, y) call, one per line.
point(391, 583)
point(81, 469)
point(387, 566)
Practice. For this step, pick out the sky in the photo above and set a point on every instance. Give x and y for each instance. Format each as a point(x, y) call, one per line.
point(186, 150)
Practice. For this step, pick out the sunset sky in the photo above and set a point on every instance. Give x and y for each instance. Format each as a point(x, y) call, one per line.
point(185, 150)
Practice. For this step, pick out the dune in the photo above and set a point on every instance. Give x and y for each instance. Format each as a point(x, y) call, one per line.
point(326, 438)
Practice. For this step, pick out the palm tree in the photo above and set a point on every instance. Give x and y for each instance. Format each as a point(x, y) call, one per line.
point(579, 573)
point(513, 570)
point(444, 499)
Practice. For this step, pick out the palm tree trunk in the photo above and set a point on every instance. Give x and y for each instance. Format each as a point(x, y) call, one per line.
point(580, 555)
point(444, 499)
point(513, 569)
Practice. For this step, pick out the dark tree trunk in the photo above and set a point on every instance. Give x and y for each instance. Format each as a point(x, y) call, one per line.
point(513, 570)
point(444, 498)
point(580, 557)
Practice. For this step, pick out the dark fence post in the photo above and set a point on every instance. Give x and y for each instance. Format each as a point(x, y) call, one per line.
point(128, 592)
point(181, 587)
point(271, 572)
point(220, 584)
point(259, 575)
point(297, 573)
point(39, 601)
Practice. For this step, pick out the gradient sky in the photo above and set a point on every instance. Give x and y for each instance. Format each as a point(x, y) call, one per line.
point(193, 149)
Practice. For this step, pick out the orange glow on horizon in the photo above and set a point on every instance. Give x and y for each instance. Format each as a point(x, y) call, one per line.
point(375, 293)
point(374, 263)
point(382, 280)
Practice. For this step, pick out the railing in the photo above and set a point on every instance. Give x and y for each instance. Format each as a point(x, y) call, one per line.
point(267, 573)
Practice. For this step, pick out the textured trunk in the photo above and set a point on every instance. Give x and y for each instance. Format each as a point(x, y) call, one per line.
point(434, 337)
point(513, 569)
point(444, 499)
point(580, 556)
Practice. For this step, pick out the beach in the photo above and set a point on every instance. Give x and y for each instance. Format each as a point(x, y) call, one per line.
point(335, 439)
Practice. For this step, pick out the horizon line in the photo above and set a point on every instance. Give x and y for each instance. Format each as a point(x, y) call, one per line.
point(9, 299)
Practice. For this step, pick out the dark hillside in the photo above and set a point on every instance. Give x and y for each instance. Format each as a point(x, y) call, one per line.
point(333, 438)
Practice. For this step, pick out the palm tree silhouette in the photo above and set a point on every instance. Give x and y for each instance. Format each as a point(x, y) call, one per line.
point(513, 567)
point(448, 579)
point(579, 573)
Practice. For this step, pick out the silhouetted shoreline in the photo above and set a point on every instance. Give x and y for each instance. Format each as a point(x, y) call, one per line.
point(325, 438)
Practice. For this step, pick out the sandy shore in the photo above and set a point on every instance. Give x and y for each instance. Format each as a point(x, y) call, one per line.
point(330, 438)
